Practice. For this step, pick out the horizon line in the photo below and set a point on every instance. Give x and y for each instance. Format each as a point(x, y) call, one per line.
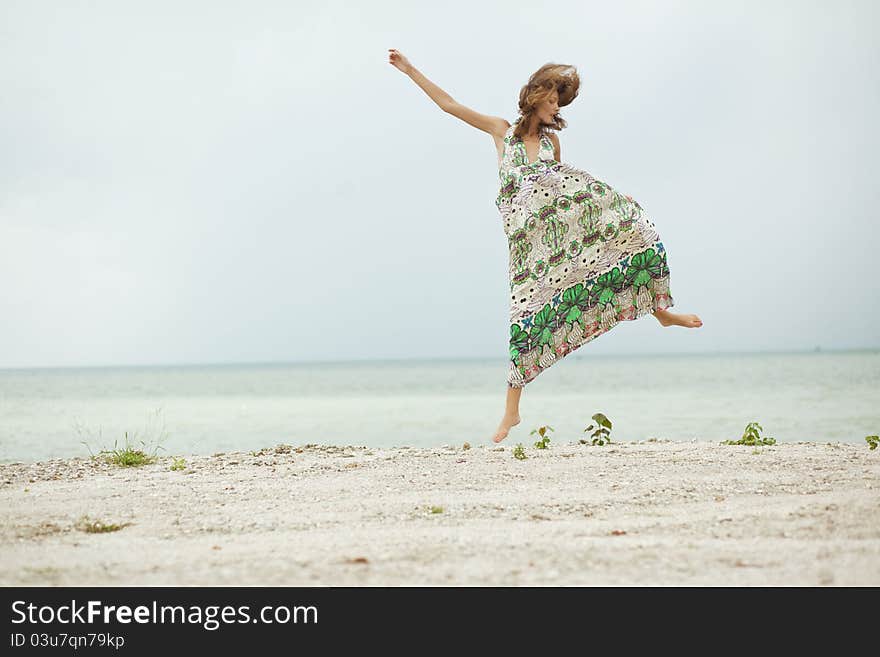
point(367, 361)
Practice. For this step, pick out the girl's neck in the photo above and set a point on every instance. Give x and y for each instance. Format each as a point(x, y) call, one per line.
point(530, 131)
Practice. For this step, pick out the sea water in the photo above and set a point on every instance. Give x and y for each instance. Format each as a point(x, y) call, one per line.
point(203, 409)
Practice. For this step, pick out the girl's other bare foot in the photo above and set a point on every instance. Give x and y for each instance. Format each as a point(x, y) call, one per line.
point(667, 318)
point(507, 422)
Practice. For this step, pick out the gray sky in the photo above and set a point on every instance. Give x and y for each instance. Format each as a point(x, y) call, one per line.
point(193, 182)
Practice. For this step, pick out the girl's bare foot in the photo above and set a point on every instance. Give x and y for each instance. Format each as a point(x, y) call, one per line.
point(507, 422)
point(667, 318)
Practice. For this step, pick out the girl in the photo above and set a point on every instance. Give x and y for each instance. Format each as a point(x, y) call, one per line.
point(583, 256)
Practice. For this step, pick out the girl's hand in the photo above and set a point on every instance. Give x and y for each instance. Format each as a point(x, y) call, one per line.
point(399, 61)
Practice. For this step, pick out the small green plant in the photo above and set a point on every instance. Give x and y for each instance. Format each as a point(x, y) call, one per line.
point(519, 452)
point(872, 441)
point(128, 456)
point(602, 432)
point(751, 436)
point(86, 524)
point(544, 440)
point(436, 509)
point(179, 464)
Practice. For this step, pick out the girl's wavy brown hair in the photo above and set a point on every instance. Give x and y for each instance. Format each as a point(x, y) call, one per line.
point(563, 79)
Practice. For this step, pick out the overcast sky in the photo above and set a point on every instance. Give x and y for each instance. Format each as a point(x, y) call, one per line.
point(209, 182)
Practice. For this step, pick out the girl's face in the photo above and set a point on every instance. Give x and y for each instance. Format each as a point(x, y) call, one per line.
point(548, 109)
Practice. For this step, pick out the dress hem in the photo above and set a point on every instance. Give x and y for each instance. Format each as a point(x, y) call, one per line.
point(658, 303)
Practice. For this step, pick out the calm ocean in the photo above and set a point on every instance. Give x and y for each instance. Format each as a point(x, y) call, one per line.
point(188, 409)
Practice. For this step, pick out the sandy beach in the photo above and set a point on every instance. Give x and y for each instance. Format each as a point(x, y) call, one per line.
point(653, 512)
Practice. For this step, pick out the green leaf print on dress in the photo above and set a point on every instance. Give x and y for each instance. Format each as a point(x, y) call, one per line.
point(583, 257)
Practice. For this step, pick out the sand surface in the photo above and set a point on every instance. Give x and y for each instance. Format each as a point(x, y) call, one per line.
point(631, 513)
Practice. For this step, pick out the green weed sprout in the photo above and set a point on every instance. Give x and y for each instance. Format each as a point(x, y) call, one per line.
point(542, 443)
point(519, 452)
point(872, 441)
point(179, 464)
point(751, 436)
point(602, 432)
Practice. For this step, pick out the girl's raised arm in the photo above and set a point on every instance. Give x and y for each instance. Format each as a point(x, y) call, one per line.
point(494, 125)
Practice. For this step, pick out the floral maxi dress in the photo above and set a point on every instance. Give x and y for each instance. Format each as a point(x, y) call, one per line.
point(583, 257)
